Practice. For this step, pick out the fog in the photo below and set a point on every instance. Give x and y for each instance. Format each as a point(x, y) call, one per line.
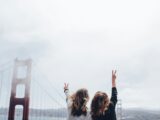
point(80, 42)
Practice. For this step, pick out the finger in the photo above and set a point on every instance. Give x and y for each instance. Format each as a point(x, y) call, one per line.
point(115, 72)
point(112, 72)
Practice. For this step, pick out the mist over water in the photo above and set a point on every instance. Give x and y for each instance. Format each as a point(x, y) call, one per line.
point(80, 42)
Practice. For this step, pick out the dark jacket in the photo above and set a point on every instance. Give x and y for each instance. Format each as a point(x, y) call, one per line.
point(110, 113)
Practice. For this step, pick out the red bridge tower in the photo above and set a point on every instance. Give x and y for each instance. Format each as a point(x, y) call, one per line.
point(20, 81)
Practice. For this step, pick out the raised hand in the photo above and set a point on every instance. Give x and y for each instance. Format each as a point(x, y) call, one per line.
point(66, 86)
point(114, 78)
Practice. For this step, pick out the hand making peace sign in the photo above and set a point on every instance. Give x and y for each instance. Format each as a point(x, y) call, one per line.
point(66, 86)
point(114, 78)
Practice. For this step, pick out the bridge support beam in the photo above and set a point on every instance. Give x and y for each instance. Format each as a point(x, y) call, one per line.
point(20, 81)
point(119, 110)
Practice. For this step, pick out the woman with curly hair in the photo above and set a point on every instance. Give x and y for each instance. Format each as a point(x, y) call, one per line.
point(76, 104)
point(103, 108)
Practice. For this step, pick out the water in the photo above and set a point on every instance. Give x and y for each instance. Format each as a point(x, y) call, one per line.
point(4, 117)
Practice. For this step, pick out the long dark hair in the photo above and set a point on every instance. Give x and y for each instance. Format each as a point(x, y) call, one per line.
point(99, 104)
point(80, 99)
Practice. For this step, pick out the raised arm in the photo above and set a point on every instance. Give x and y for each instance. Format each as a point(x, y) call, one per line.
point(68, 98)
point(114, 89)
point(114, 78)
point(66, 91)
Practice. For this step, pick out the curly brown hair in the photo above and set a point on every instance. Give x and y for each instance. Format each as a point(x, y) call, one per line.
point(80, 99)
point(99, 104)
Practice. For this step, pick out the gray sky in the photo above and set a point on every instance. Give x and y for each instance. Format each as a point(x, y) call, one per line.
point(80, 42)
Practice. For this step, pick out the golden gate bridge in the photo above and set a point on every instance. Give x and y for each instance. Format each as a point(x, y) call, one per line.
point(27, 94)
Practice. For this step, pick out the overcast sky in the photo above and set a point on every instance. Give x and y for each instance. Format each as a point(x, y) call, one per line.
point(80, 42)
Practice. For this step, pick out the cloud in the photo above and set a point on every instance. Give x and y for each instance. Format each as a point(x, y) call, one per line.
point(80, 42)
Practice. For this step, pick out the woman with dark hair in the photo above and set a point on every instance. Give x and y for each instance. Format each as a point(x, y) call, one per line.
point(103, 108)
point(76, 104)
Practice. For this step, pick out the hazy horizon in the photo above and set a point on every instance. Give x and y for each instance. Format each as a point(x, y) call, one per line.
point(80, 42)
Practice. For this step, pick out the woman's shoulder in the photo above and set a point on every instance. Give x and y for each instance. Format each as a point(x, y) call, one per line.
point(82, 117)
point(87, 116)
point(111, 106)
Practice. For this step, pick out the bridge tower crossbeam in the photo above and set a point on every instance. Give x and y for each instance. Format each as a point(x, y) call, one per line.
point(14, 101)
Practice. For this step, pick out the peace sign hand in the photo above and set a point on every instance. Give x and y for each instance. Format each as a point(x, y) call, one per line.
point(114, 78)
point(66, 86)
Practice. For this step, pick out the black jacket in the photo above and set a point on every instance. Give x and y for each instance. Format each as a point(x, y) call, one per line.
point(110, 113)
